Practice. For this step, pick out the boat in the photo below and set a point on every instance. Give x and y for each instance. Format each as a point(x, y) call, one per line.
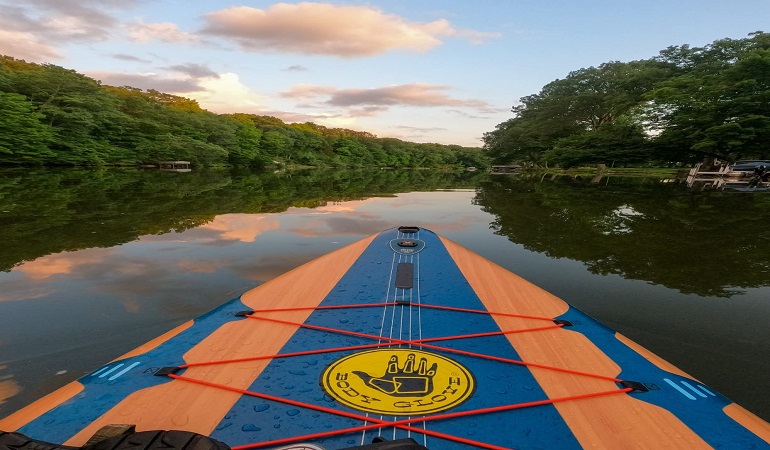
point(402, 340)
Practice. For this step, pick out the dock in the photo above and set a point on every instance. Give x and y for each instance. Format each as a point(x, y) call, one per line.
point(175, 166)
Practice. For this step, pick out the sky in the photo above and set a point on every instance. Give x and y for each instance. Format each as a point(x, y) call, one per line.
point(444, 71)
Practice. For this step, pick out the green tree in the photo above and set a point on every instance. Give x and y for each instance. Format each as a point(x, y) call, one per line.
point(717, 106)
point(277, 144)
point(623, 143)
point(75, 106)
point(583, 102)
point(23, 138)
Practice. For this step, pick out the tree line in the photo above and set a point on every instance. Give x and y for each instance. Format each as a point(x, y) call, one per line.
point(50, 115)
point(681, 106)
point(146, 202)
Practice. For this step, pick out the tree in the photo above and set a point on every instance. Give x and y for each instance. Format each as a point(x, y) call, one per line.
point(23, 138)
point(583, 102)
point(612, 143)
point(75, 106)
point(277, 144)
point(248, 151)
point(64, 117)
point(718, 106)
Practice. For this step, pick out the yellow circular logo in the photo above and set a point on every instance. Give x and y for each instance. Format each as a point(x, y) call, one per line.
point(398, 382)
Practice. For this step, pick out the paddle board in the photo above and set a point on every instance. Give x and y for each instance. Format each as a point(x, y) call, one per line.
point(404, 339)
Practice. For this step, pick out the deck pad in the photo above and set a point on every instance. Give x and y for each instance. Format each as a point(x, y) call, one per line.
point(402, 334)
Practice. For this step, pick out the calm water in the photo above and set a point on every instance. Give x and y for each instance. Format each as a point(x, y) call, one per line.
point(96, 262)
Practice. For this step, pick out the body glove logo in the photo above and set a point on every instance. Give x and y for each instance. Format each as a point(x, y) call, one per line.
point(398, 382)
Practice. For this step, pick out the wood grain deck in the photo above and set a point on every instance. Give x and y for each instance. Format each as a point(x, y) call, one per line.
point(604, 422)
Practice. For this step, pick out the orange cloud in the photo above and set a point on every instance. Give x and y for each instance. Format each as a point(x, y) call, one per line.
point(327, 29)
point(26, 46)
point(241, 227)
point(8, 386)
point(25, 293)
point(62, 263)
point(162, 31)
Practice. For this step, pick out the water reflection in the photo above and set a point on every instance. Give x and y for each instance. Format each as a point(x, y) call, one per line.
point(99, 261)
point(704, 243)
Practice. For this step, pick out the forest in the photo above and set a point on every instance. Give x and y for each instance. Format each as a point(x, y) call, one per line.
point(55, 116)
point(684, 105)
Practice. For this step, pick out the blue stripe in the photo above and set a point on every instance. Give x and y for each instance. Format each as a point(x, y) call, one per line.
point(129, 368)
point(100, 371)
point(703, 388)
point(110, 371)
point(692, 388)
point(676, 386)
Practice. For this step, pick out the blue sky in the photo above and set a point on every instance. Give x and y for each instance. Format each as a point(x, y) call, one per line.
point(421, 70)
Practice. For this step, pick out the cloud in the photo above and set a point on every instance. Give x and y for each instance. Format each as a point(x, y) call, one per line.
point(226, 94)
point(295, 68)
point(8, 386)
point(63, 21)
point(352, 223)
point(465, 115)
point(125, 57)
point(63, 263)
point(24, 290)
point(32, 30)
point(194, 70)
point(26, 46)
point(414, 94)
point(162, 31)
point(157, 82)
point(367, 111)
point(326, 29)
point(370, 101)
point(420, 129)
point(308, 90)
point(241, 227)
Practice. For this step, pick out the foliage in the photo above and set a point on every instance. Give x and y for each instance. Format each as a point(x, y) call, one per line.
point(637, 228)
point(685, 104)
point(103, 207)
point(23, 138)
point(55, 116)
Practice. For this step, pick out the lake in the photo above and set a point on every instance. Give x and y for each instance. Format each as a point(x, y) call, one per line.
point(96, 262)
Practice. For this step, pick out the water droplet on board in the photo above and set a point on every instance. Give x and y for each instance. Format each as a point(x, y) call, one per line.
point(261, 407)
point(250, 427)
point(292, 412)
